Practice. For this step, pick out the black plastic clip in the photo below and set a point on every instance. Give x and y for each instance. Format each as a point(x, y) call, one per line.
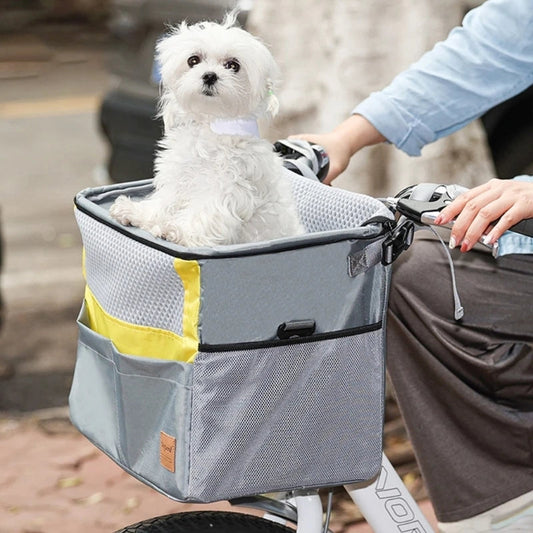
point(296, 328)
point(399, 240)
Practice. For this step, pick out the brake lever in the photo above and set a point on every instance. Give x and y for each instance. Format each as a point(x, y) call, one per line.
point(416, 210)
point(426, 213)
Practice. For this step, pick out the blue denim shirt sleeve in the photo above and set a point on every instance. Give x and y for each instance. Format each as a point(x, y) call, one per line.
point(514, 243)
point(482, 63)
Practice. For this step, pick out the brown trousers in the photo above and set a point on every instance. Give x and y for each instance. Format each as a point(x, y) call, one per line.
point(465, 388)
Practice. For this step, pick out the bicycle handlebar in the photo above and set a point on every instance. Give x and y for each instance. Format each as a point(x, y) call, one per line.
point(312, 161)
point(425, 211)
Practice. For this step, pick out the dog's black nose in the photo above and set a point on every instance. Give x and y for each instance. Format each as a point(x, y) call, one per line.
point(209, 78)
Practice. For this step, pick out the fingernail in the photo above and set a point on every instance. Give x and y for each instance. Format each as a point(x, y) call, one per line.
point(452, 244)
point(490, 238)
point(438, 220)
point(465, 246)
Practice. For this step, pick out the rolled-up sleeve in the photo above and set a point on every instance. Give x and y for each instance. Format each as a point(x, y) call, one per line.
point(487, 60)
point(514, 243)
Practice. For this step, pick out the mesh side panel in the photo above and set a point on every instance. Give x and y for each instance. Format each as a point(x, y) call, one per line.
point(278, 418)
point(327, 208)
point(132, 282)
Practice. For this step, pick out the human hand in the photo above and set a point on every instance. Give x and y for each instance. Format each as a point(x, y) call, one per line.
point(490, 210)
point(338, 153)
point(343, 142)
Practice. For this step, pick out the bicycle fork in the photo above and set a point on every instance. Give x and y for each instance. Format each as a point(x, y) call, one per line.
point(387, 505)
point(309, 513)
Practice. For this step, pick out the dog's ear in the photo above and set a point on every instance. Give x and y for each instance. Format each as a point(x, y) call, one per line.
point(168, 110)
point(168, 60)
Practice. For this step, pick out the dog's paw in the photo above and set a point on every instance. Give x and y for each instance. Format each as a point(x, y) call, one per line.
point(171, 232)
point(122, 210)
point(155, 230)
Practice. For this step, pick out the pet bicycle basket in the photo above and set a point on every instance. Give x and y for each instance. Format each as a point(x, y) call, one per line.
point(211, 374)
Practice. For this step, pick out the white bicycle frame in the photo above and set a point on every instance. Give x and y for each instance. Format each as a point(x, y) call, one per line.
point(386, 504)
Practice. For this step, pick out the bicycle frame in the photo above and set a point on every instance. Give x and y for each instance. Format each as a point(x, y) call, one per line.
point(386, 504)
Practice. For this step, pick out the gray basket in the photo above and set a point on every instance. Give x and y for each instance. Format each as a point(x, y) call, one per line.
point(211, 374)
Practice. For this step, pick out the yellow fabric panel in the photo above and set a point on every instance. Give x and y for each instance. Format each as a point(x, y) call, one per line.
point(189, 272)
point(146, 341)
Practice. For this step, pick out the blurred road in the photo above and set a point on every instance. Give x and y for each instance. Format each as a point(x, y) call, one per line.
point(52, 479)
point(49, 149)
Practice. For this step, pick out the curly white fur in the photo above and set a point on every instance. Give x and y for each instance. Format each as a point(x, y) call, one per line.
point(213, 188)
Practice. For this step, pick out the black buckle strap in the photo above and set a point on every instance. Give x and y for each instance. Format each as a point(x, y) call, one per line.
point(398, 241)
point(296, 328)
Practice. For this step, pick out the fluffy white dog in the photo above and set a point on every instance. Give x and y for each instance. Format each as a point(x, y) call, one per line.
point(216, 181)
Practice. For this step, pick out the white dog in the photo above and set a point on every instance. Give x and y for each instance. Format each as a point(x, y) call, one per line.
point(216, 181)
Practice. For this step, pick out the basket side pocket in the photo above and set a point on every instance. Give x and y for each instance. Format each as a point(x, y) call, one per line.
point(92, 399)
point(132, 408)
point(154, 432)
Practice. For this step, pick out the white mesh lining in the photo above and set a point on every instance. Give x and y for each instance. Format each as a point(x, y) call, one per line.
point(131, 281)
point(323, 208)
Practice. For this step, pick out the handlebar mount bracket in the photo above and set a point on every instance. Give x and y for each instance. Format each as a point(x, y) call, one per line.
point(397, 242)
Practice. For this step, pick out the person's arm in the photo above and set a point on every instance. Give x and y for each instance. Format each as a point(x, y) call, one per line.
point(487, 60)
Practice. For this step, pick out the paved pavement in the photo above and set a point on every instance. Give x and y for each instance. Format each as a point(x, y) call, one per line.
point(52, 479)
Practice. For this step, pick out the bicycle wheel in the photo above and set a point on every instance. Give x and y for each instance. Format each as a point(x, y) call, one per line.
point(206, 521)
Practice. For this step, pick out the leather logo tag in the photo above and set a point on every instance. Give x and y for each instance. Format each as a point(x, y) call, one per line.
point(167, 452)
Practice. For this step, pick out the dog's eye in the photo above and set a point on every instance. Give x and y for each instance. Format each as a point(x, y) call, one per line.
point(193, 60)
point(232, 64)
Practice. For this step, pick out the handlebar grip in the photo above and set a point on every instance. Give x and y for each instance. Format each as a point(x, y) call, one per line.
point(304, 158)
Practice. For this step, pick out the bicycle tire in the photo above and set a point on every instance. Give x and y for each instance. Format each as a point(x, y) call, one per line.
point(206, 521)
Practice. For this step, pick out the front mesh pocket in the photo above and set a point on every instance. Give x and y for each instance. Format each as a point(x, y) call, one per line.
point(276, 418)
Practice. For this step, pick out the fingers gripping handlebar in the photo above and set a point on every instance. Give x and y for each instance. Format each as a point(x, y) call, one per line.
point(425, 210)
